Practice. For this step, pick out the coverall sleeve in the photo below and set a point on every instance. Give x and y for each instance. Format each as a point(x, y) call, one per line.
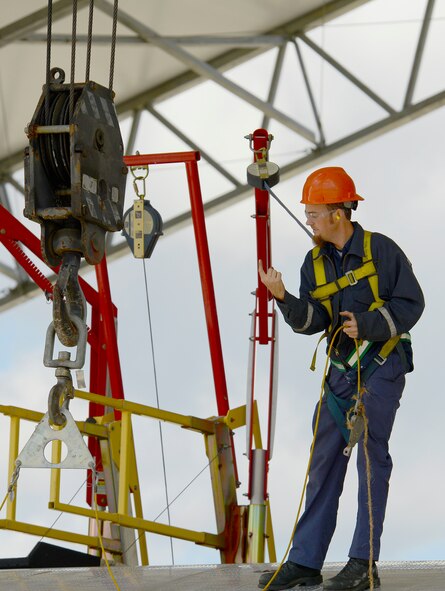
point(304, 314)
point(400, 290)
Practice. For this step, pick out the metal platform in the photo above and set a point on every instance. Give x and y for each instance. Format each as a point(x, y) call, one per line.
point(400, 576)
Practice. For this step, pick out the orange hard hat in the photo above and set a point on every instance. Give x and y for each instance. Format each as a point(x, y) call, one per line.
point(330, 185)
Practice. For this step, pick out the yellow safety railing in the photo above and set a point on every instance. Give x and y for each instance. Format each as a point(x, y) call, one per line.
point(119, 436)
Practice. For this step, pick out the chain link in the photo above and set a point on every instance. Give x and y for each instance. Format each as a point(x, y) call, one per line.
point(139, 180)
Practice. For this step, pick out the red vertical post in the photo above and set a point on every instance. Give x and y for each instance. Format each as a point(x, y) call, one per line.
point(208, 291)
point(98, 385)
point(109, 330)
point(260, 139)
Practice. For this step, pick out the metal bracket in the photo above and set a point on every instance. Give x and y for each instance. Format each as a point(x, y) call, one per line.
point(351, 277)
point(78, 456)
point(78, 363)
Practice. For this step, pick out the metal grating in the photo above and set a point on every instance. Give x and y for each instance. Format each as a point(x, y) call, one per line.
point(395, 576)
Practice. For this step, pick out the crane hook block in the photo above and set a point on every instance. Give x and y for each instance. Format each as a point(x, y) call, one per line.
point(75, 175)
point(142, 228)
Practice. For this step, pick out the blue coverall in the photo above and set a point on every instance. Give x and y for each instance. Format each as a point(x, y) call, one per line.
point(404, 304)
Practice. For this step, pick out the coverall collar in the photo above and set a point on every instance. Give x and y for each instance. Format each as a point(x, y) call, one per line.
point(356, 246)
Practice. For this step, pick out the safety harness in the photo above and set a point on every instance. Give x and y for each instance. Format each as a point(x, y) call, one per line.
point(323, 293)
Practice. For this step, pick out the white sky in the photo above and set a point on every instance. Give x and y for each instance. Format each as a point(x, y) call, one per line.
point(401, 177)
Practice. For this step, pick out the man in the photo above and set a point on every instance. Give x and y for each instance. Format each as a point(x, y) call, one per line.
point(365, 283)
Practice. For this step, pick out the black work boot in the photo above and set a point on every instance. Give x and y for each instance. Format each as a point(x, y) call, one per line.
point(290, 575)
point(353, 577)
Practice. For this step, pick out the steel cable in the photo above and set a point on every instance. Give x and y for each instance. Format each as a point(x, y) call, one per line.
point(164, 469)
point(89, 40)
point(73, 58)
point(302, 226)
point(48, 58)
point(113, 44)
point(181, 492)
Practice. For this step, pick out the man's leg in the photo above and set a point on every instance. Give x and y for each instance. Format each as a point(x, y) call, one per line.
point(317, 524)
point(381, 399)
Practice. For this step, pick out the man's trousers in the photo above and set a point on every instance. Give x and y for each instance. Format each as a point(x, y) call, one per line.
point(316, 526)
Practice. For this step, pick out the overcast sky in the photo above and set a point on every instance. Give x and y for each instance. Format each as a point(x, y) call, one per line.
point(400, 175)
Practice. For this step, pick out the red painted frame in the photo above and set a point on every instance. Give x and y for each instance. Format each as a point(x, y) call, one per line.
point(190, 160)
point(264, 302)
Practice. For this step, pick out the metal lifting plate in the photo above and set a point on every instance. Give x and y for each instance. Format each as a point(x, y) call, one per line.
point(78, 454)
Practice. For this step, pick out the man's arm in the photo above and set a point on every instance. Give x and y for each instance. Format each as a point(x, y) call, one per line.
point(399, 288)
point(302, 315)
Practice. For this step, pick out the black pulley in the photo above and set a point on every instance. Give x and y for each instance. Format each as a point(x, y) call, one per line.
point(75, 175)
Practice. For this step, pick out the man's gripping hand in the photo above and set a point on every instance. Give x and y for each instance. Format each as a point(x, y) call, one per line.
point(272, 280)
point(350, 324)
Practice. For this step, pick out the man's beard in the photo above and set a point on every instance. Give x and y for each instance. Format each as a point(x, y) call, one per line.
point(318, 241)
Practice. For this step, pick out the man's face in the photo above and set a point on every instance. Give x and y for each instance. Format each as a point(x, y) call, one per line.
point(321, 221)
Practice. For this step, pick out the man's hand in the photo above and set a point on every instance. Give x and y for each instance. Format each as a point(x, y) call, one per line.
point(350, 325)
point(272, 280)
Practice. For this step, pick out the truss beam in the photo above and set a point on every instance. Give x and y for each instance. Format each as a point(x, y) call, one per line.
point(193, 146)
point(36, 20)
point(25, 291)
point(358, 83)
point(185, 80)
point(204, 69)
point(419, 53)
point(274, 82)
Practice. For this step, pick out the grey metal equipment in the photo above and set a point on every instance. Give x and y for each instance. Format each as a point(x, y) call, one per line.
point(357, 427)
point(74, 171)
point(75, 180)
point(35, 452)
point(142, 222)
point(261, 170)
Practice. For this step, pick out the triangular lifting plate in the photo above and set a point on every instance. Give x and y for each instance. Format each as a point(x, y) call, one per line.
point(78, 454)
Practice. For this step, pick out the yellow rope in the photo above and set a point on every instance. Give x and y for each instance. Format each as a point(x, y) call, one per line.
point(4, 500)
point(102, 545)
point(368, 484)
point(368, 464)
point(317, 420)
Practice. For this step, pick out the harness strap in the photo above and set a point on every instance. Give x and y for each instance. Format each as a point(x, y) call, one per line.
point(320, 278)
point(352, 277)
point(338, 407)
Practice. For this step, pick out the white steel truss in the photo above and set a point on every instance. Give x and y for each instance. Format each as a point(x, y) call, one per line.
point(290, 36)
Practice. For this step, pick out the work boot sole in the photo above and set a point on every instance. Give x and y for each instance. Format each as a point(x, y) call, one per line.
point(364, 586)
point(300, 582)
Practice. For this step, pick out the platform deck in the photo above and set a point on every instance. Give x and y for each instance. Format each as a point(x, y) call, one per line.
point(400, 576)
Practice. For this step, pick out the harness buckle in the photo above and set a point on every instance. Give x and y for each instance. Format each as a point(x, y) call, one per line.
point(380, 360)
point(351, 277)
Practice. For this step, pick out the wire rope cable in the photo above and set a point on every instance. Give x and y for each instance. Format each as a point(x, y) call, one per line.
point(302, 226)
point(113, 44)
point(89, 40)
point(153, 357)
point(181, 492)
point(48, 58)
point(73, 58)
